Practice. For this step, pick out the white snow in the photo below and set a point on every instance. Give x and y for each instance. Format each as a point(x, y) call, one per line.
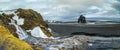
point(50, 29)
point(20, 21)
point(75, 42)
point(8, 12)
point(51, 37)
point(51, 48)
point(90, 44)
point(22, 34)
point(37, 32)
point(28, 30)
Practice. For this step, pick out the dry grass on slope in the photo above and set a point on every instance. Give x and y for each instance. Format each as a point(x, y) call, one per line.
point(9, 42)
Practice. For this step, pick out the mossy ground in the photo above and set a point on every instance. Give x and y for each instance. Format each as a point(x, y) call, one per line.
point(9, 42)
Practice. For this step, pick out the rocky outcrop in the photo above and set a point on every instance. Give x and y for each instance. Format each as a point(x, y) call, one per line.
point(82, 19)
point(18, 24)
point(32, 19)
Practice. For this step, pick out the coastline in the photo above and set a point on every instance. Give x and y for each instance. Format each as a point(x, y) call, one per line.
point(65, 29)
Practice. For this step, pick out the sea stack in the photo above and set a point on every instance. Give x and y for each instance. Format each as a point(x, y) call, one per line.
point(82, 19)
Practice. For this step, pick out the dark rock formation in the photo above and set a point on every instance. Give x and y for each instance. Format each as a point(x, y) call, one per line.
point(82, 19)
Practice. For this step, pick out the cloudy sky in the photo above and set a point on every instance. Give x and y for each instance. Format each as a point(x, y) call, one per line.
point(67, 9)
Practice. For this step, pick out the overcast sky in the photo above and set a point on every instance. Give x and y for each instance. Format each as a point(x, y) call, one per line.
point(67, 9)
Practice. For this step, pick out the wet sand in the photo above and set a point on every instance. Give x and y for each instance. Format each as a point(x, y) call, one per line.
point(65, 29)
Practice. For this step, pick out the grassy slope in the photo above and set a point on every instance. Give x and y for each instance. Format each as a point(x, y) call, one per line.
point(9, 42)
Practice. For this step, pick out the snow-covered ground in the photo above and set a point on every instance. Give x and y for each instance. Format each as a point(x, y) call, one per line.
point(20, 21)
point(37, 32)
point(21, 33)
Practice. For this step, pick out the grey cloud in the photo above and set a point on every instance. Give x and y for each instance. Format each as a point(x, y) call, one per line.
point(67, 9)
point(117, 6)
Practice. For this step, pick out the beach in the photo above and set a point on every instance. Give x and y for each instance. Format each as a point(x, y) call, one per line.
point(65, 29)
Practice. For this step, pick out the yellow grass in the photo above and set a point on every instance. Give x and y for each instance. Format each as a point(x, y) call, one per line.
point(9, 42)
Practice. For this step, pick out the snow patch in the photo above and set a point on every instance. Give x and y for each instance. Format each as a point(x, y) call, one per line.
point(20, 21)
point(37, 32)
point(28, 30)
point(21, 34)
point(7, 12)
point(51, 48)
point(50, 29)
point(90, 44)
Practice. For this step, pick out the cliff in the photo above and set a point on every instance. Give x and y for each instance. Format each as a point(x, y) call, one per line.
point(20, 24)
point(32, 19)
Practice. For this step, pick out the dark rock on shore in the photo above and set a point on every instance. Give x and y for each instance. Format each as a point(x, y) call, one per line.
point(93, 34)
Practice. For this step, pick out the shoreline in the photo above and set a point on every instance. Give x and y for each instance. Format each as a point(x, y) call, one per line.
point(66, 29)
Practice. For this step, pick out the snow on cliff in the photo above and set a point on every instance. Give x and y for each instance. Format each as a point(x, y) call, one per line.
point(37, 32)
